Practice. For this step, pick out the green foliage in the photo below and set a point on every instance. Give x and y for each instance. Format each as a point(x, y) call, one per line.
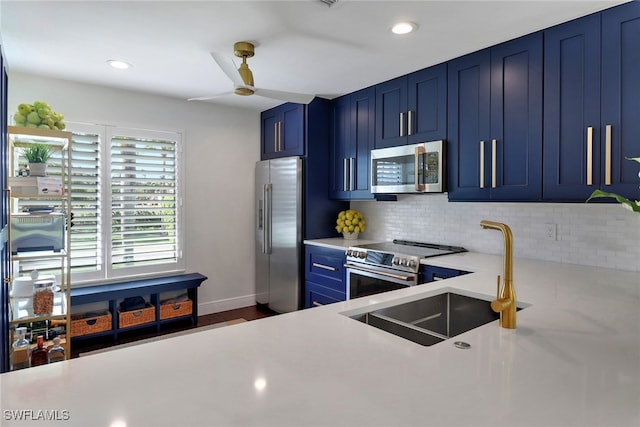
point(37, 153)
point(629, 204)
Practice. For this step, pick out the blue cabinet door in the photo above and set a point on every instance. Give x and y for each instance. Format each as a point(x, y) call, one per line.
point(495, 123)
point(362, 142)
point(412, 108)
point(341, 152)
point(592, 105)
point(351, 145)
point(427, 104)
point(516, 120)
point(620, 99)
point(571, 108)
point(282, 131)
point(391, 109)
point(469, 89)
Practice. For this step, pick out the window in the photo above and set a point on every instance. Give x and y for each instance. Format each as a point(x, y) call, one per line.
point(126, 202)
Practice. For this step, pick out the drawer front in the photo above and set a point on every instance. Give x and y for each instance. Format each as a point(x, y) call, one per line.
point(432, 274)
point(317, 295)
point(325, 266)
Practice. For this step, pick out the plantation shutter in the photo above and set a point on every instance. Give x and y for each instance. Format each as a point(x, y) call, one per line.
point(143, 200)
point(86, 199)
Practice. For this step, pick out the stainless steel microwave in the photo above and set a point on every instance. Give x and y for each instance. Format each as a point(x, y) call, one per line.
point(416, 168)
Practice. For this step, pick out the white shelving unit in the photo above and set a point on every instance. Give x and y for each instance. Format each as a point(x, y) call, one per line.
point(44, 205)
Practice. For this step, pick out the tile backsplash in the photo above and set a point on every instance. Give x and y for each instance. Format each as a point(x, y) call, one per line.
point(602, 235)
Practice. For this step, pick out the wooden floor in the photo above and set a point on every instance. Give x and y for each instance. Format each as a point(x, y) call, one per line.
point(246, 313)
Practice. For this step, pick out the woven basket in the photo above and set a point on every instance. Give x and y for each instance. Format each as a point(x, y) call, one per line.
point(81, 325)
point(176, 309)
point(136, 317)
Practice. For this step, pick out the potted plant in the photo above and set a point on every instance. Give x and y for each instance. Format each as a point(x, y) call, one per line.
point(350, 223)
point(633, 206)
point(37, 156)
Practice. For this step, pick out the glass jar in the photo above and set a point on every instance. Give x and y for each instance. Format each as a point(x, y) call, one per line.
point(43, 297)
point(56, 353)
point(20, 350)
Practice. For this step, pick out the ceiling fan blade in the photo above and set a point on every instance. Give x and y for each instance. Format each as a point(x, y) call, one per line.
point(227, 65)
point(204, 98)
point(299, 98)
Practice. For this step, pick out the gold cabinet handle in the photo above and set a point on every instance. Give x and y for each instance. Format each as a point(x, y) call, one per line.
point(418, 169)
point(590, 155)
point(607, 156)
point(494, 143)
point(481, 164)
point(351, 173)
point(275, 137)
point(345, 174)
point(409, 122)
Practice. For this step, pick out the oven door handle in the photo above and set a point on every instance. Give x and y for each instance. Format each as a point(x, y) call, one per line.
point(381, 273)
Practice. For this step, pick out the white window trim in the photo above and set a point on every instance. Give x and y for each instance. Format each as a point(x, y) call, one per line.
point(107, 274)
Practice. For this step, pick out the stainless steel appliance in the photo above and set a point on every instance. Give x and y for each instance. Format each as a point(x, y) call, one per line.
point(388, 266)
point(417, 168)
point(278, 233)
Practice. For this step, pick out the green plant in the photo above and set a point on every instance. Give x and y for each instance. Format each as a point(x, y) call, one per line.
point(629, 204)
point(37, 153)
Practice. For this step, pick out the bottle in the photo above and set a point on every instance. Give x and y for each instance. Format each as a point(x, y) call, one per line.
point(56, 353)
point(20, 354)
point(39, 354)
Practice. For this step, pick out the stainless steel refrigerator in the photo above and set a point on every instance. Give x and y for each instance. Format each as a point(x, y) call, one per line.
point(279, 233)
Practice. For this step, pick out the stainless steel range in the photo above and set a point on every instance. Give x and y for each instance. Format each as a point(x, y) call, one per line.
point(381, 267)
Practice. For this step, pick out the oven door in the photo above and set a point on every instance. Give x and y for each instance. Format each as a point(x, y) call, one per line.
point(363, 280)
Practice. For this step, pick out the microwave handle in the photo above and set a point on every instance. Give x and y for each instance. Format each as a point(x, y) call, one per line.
point(418, 167)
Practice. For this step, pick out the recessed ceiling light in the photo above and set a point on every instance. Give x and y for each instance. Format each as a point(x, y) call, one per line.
point(403, 28)
point(120, 65)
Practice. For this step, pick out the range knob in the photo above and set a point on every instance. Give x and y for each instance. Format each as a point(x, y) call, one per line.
point(411, 263)
point(395, 261)
point(362, 255)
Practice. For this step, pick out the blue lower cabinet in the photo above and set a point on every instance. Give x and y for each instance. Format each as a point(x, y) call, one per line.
point(316, 295)
point(431, 273)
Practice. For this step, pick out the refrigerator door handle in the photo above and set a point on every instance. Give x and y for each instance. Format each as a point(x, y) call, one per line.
point(266, 229)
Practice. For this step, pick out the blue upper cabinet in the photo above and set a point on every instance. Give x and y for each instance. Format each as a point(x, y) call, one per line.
point(412, 108)
point(282, 131)
point(495, 123)
point(351, 143)
point(621, 98)
point(592, 100)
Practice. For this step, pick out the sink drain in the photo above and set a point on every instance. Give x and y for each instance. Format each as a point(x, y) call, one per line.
point(463, 345)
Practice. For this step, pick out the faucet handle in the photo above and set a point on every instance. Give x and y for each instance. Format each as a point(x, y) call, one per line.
point(499, 305)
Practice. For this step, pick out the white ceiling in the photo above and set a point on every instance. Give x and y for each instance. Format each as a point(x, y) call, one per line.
point(301, 46)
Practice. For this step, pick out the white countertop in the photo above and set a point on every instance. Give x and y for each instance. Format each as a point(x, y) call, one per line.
point(574, 360)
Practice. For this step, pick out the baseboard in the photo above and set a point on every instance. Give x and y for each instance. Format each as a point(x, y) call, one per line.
point(226, 304)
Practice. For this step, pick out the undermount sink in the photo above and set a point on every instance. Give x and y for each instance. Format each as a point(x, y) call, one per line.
point(431, 320)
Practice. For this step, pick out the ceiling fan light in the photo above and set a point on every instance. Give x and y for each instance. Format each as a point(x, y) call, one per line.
point(244, 91)
point(403, 28)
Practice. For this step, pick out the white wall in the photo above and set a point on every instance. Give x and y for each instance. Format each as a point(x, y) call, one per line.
point(603, 235)
point(221, 146)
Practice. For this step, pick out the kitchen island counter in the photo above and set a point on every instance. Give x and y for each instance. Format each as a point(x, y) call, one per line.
point(574, 360)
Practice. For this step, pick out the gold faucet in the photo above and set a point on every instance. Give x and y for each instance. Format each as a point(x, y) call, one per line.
point(505, 304)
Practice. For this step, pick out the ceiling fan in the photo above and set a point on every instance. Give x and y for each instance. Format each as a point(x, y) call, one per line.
point(242, 77)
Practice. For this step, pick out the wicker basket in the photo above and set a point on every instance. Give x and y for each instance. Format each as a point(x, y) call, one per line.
point(81, 325)
point(176, 309)
point(136, 317)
